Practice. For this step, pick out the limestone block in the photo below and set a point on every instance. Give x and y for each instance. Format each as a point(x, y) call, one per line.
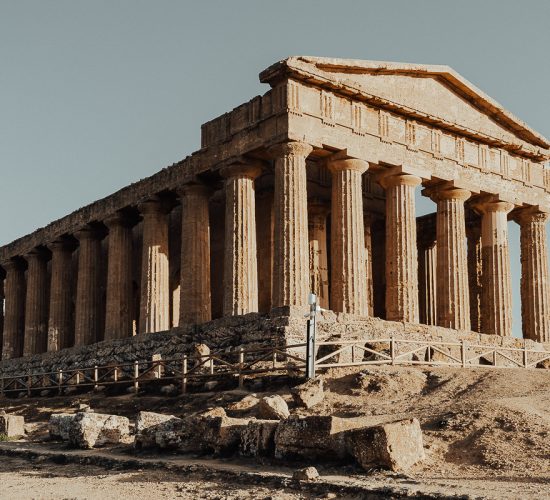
point(314, 437)
point(12, 425)
point(309, 394)
point(258, 438)
point(88, 430)
point(307, 474)
point(59, 424)
point(396, 445)
point(273, 408)
point(248, 403)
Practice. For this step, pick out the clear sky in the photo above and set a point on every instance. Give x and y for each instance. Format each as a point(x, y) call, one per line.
point(100, 93)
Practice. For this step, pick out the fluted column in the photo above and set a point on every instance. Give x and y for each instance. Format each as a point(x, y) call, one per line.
point(401, 251)
point(36, 304)
point(60, 324)
point(453, 297)
point(535, 280)
point(1, 314)
point(14, 316)
point(291, 261)
point(88, 293)
point(475, 272)
point(368, 221)
point(119, 304)
point(318, 259)
point(427, 272)
point(241, 268)
point(195, 299)
point(496, 296)
point(349, 277)
point(154, 311)
point(264, 237)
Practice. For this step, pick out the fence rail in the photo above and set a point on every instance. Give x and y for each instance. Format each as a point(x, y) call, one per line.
point(237, 365)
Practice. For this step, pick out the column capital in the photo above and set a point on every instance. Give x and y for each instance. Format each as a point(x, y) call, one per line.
point(392, 180)
point(12, 264)
point(116, 219)
point(153, 205)
point(530, 214)
point(446, 191)
point(36, 254)
point(242, 170)
point(60, 244)
point(492, 204)
point(86, 233)
point(338, 165)
point(292, 148)
point(194, 188)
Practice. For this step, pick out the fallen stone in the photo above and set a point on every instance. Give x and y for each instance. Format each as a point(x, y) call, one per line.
point(395, 446)
point(273, 408)
point(210, 385)
point(307, 474)
point(169, 390)
point(88, 430)
point(258, 438)
point(309, 394)
point(59, 425)
point(147, 426)
point(12, 426)
point(248, 403)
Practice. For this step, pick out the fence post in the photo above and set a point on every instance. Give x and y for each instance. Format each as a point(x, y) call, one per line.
point(136, 376)
point(211, 365)
point(392, 350)
point(115, 374)
point(59, 381)
point(241, 366)
point(29, 383)
point(463, 353)
point(2, 386)
point(274, 359)
point(184, 375)
point(96, 376)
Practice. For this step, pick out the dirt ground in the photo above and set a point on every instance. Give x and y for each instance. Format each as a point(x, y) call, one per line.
point(486, 435)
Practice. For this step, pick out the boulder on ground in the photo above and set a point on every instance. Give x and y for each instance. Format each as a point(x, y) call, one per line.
point(88, 430)
point(273, 408)
point(258, 438)
point(59, 425)
point(148, 424)
point(307, 474)
point(395, 445)
point(248, 403)
point(12, 426)
point(315, 437)
point(309, 393)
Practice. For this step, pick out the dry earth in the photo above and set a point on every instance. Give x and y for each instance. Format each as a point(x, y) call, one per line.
point(486, 434)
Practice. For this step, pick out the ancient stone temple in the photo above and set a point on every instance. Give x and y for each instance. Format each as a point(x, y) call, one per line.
point(310, 186)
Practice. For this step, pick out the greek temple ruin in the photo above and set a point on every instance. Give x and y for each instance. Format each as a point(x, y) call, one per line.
point(309, 187)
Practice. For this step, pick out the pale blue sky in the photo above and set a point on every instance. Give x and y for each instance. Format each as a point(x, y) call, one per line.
point(97, 94)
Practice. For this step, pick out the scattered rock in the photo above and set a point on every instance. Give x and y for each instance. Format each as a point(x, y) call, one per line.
point(88, 430)
point(258, 438)
point(59, 425)
point(273, 408)
point(44, 393)
point(248, 403)
point(210, 385)
point(396, 445)
point(169, 390)
point(147, 426)
point(12, 426)
point(307, 474)
point(309, 394)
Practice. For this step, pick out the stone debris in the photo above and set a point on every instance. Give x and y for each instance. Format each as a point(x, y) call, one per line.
point(307, 474)
point(258, 438)
point(309, 394)
point(12, 426)
point(396, 445)
point(273, 408)
point(248, 403)
point(87, 429)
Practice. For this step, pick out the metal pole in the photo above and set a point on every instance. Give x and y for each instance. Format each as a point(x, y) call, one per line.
point(310, 339)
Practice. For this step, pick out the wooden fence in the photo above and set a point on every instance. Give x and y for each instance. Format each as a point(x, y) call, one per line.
point(236, 365)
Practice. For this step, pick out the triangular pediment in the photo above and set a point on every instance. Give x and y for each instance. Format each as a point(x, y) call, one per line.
point(436, 93)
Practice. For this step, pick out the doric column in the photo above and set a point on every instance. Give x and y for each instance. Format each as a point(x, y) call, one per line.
point(368, 221)
point(14, 316)
point(264, 236)
point(88, 293)
point(496, 296)
point(119, 305)
point(453, 298)
point(427, 272)
point(195, 299)
point(1, 313)
point(291, 261)
point(318, 259)
point(349, 276)
point(154, 311)
point(401, 251)
point(475, 268)
point(60, 324)
point(36, 304)
point(535, 281)
point(240, 268)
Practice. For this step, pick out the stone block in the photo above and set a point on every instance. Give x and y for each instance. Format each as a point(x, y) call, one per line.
point(12, 426)
point(59, 425)
point(396, 445)
point(258, 438)
point(309, 393)
point(307, 474)
point(88, 430)
point(273, 408)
